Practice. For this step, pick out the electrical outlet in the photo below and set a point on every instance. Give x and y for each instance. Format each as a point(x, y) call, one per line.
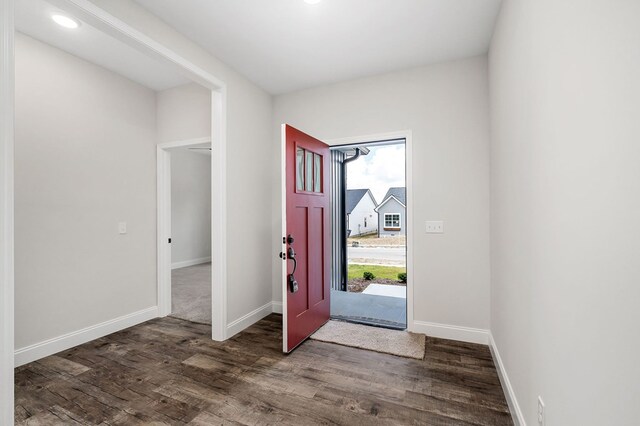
point(434, 227)
point(122, 227)
point(540, 411)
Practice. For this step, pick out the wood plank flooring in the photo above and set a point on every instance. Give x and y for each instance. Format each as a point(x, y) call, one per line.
point(168, 372)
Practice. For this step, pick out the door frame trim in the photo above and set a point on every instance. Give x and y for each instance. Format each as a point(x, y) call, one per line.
point(407, 135)
point(7, 111)
point(218, 303)
point(283, 224)
point(218, 241)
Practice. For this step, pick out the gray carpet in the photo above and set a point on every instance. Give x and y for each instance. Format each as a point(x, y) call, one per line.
point(394, 342)
point(191, 293)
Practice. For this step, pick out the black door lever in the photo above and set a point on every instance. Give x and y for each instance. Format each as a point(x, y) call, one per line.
point(291, 254)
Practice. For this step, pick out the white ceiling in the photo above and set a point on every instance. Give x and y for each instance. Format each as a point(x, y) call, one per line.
point(33, 17)
point(285, 45)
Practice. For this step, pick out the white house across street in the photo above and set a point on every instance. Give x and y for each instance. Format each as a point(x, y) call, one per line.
point(362, 217)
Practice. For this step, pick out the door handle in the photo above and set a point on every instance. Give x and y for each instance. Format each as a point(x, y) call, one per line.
point(291, 254)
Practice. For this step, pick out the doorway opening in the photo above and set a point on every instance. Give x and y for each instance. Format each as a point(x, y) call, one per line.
point(191, 232)
point(369, 230)
point(315, 267)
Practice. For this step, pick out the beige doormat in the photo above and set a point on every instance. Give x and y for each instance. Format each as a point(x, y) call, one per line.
point(394, 342)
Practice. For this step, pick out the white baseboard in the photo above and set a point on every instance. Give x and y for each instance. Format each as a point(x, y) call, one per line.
point(192, 262)
point(514, 407)
point(452, 332)
point(236, 326)
point(276, 307)
point(66, 341)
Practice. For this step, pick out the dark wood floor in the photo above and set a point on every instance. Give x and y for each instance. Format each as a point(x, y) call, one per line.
point(167, 371)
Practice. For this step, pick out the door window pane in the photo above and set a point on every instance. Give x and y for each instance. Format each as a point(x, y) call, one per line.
point(300, 169)
point(317, 173)
point(309, 171)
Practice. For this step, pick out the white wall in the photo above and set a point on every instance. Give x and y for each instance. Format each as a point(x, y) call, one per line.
point(248, 174)
point(184, 112)
point(446, 107)
point(84, 161)
point(565, 179)
point(190, 207)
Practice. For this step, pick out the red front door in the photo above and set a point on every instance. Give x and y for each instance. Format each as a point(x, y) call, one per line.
point(308, 230)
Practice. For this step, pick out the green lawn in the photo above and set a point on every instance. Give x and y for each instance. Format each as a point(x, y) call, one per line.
point(388, 272)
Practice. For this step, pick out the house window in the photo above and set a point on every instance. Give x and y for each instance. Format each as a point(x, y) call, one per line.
point(308, 171)
point(365, 222)
point(392, 220)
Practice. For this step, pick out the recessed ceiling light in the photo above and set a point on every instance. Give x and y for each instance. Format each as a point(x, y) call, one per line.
point(312, 1)
point(65, 21)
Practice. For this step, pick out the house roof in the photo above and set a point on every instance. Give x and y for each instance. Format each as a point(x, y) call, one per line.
point(397, 193)
point(354, 196)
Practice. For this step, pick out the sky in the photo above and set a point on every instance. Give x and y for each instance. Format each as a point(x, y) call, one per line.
point(381, 169)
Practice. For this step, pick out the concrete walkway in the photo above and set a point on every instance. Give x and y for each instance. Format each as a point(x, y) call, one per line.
point(386, 290)
point(369, 309)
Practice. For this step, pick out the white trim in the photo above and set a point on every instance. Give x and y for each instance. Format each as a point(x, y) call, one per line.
point(249, 319)
point(219, 214)
point(389, 198)
point(218, 223)
point(276, 307)
point(183, 143)
point(192, 262)
point(408, 151)
point(377, 137)
point(66, 341)
point(407, 135)
point(509, 393)
point(7, 94)
point(452, 332)
point(283, 224)
point(163, 231)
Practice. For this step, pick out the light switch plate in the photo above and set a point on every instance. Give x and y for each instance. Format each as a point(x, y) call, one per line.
point(435, 227)
point(122, 227)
